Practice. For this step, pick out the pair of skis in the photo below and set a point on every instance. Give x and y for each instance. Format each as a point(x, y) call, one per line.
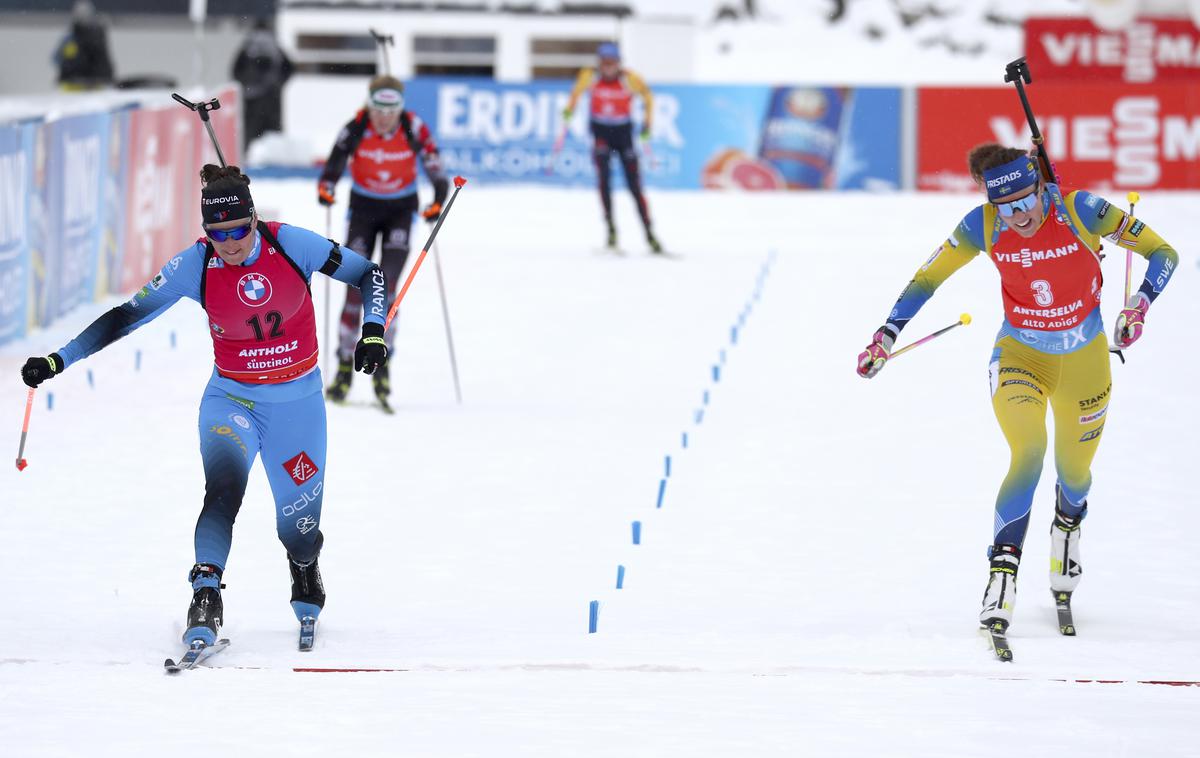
point(200, 651)
point(998, 631)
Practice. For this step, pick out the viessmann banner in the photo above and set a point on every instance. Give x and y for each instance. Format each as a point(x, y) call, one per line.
point(1098, 135)
point(1147, 50)
point(750, 137)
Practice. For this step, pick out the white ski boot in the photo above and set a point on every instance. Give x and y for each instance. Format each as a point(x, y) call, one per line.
point(1065, 567)
point(1001, 594)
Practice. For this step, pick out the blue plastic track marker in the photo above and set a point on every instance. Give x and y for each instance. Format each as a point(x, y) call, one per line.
point(685, 440)
point(620, 576)
point(172, 340)
point(637, 532)
point(593, 616)
point(91, 379)
point(667, 466)
point(662, 490)
point(733, 334)
point(706, 397)
point(49, 401)
point(137, 360)
point(716, 373)
point(699, 415)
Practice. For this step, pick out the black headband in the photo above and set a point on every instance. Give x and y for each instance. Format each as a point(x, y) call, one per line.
point(226, 203)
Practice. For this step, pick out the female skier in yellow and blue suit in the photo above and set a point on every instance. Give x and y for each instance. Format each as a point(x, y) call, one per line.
point(1051, 349)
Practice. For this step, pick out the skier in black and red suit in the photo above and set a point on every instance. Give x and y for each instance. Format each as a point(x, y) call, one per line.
point(382, 144)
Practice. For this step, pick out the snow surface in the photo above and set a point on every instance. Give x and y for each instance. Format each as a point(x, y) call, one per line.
point(809, 586)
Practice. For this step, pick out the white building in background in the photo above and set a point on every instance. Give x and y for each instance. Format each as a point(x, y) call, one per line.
point(507, 46)
point(875, 42)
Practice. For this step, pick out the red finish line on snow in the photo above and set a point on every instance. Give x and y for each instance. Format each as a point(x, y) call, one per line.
point(345, 671)
point(1161, 682)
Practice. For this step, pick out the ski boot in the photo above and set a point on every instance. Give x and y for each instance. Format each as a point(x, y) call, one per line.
point(1065, 567)
point(611, 244)
point(1001, 593)
point(207, 612)
point(652, 241)
point(308, 593)
point(341, 381)
point(383, 387)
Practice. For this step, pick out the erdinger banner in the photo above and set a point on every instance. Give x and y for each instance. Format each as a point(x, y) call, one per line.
point(1146, 50)
point(1099, 136)
point(718, 137)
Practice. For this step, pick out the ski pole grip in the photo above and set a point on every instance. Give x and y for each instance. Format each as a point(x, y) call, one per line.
point(201, 108)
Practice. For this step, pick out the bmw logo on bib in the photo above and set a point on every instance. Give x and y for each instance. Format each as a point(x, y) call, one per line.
point(254, 290)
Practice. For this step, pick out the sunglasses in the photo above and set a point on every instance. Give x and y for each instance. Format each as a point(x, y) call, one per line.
point(236, 233)
point(1026, 204)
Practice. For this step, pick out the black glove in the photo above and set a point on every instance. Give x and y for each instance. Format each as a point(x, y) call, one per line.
point(371, 351)
point(37, 370)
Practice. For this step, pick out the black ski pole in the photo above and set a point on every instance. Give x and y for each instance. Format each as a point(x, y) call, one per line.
point(203, 109)
point(1017, 72)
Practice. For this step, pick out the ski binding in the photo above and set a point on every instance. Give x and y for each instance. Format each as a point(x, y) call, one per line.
point(196, 654)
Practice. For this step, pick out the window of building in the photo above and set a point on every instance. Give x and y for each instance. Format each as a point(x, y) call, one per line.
point(335, 54)
point(454, 56)
point(561, 58)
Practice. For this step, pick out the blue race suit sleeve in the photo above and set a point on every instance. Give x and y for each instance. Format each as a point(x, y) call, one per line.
point(312, 252)
point(179, 278)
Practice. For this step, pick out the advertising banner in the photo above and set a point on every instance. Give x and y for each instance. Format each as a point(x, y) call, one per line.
point(751, 137)
point(1099, 136)
point(167, 147)
point(16, 186)
point(116, 174)
point(161, 205)
point(75, 165)
point(1146, 50)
